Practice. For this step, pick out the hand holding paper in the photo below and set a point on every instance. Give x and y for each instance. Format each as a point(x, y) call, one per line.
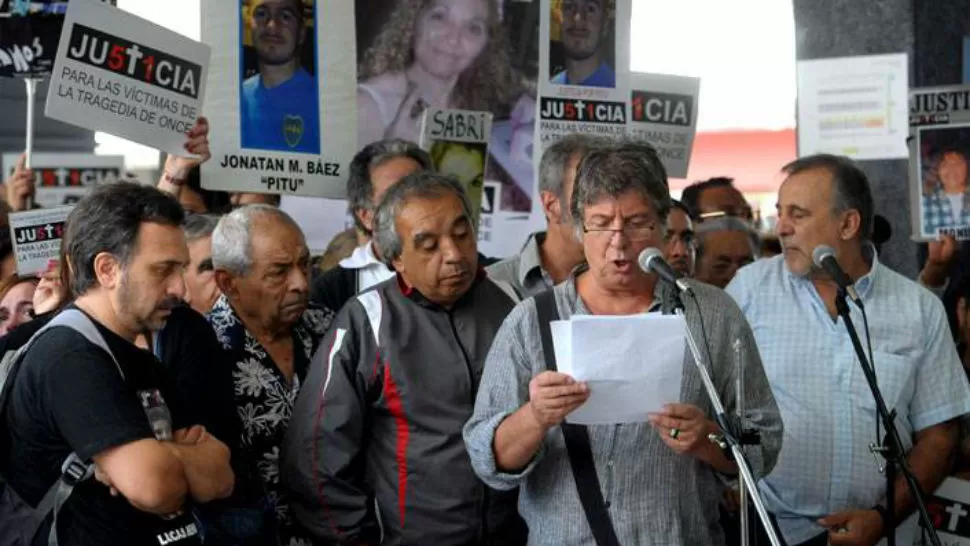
point(553, 396)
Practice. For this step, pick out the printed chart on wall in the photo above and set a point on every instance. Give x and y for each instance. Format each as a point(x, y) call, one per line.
point(408, 62)
point(123, 75)
point(854, 106)
point(939, 119)
point(457, 141)
point(663, 112)
point(281, 96)
point(37, 236)
point(64, 178)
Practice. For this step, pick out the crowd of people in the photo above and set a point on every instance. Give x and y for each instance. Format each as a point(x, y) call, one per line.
point(190, 373)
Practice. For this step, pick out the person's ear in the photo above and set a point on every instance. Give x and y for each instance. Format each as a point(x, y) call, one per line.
point(851, 225)
point(552, 207)
point(107, 270)
point(227, 283)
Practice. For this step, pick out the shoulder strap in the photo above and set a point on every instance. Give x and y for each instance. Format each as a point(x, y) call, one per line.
point(577, 439)
point(74, 470)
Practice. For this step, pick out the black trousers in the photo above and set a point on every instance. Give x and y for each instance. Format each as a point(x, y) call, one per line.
point(756, 532)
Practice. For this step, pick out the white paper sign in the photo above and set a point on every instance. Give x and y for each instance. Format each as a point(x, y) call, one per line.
point(118, 73)
point(64, 178)
point(622, 388)
point(282, 97)
point(939, 146)
point(663, 112)
point(854, 106)
point(37, 236)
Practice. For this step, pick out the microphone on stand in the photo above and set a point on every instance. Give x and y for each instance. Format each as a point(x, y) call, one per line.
point(824, 258)
point(652, 260)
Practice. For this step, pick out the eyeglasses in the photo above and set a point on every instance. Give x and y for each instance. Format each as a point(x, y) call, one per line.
point(634, 232)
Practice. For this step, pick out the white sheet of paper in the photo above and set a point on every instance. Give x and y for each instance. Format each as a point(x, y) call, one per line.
point(632, 364)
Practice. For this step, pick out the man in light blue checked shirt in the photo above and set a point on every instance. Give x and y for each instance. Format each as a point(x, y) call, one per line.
point(826, 485)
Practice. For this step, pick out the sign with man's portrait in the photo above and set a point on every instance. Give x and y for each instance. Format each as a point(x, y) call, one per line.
point(939, 121)
point(281, 100)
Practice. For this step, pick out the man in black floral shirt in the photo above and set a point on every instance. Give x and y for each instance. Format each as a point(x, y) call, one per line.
point(265, 325)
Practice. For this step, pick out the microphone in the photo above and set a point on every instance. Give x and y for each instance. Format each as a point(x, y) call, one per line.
point(824, 258)
point(652, 260)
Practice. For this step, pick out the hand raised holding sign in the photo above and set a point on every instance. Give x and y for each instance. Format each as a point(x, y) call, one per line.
point(19, 187)
point(177, 168)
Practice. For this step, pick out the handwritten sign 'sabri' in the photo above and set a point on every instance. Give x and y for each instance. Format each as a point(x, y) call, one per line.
point(458, 143)
point(120, 74)
point(37, 236)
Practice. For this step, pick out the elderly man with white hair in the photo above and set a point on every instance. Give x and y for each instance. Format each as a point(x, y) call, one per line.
point(268, 331)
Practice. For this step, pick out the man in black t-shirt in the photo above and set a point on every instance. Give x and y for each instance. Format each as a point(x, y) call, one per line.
point(110, 409)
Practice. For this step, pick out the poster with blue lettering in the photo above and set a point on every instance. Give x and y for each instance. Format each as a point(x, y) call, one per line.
point(281, 96)
point(118, 73)
point(37, 236)
point(663, 112)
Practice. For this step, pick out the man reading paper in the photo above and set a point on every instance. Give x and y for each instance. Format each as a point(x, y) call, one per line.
point(657, 480)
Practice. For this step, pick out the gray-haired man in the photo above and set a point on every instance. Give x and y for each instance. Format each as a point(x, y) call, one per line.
point(373, 170)
point(657, 481)
point(201, 291)
point(724, 245)
point(548, 257)
point(267, 331)
point(374, 448)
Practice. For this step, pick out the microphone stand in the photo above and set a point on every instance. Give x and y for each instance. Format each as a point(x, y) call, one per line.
point(892, 446)
point(727, 440)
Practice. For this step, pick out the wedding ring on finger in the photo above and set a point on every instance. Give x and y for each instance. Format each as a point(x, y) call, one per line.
point(674, 433)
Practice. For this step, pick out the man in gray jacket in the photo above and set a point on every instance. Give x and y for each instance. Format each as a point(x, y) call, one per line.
point(374, 453)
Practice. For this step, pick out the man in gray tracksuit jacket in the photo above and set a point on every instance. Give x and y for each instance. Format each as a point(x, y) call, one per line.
point(374, 453)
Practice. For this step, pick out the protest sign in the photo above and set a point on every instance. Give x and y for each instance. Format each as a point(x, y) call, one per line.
point(853, 106)
point(458, 143)
point(281, 95)
point(36, 236)
point(949, 508)
point(123, 75)
point(939, 120)
point(663, 112)
point(63, 179)
point(584, 69)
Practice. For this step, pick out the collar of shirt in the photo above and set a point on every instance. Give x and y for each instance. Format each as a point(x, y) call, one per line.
point(530, 260)
point(234, 337)
point(363, 257)
point(863, 285)
point(664, 297)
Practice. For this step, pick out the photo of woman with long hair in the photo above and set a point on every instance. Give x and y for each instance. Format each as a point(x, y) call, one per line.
point(444, 54)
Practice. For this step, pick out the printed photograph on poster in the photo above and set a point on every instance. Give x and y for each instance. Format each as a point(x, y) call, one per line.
point(457, 141)
point(853, 106)
point(281, 94)
point(452, 54)
point(118, 73)
point(278, 55)
point(582, 43)
point(940, 162)
point(36, 236)
point(64, 178)
point(582, 34)
point(663, 112)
